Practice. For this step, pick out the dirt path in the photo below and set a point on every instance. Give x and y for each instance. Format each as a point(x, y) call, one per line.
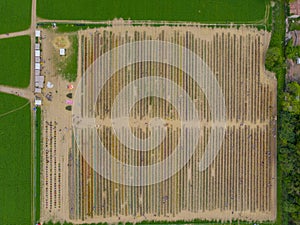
point(15, 34)
point(146, 22)
point(29, 31)
point(33, 116)
point(24, 93)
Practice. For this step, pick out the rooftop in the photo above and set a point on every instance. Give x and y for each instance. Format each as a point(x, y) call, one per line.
point(295, 7)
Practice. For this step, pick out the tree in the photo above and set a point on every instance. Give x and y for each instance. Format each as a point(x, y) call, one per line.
point(69, 95)
point(273, 58)
point(291, 101)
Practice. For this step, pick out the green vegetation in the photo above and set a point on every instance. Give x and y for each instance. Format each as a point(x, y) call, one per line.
point(274, 58)
point(288, 200)
point(294, 26)
point(292, 52)
point(276, 53)
point(289, 153)
point(15, 160)
point(15, 61)
point(15, 15)
point(172, 223)
point(68, 65)
point(217, 11)
point(38, 160)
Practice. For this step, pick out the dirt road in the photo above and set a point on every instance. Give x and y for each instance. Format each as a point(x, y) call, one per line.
point(24, 93)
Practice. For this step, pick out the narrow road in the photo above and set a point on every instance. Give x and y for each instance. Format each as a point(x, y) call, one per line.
point(147, 22)
point(15, 34)
point(22, 92)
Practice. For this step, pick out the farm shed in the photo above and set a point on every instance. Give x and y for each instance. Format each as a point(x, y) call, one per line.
point(37, 33)
point(37, 66)
point(37, 53)
point(37, 72)
point(295, 8)
point(62, 52)
point(38, 90)
point(38, 102)
point(39, 81)
point(37, 46)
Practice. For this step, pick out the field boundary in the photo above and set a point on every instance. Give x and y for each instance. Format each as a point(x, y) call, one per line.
point(122, 22)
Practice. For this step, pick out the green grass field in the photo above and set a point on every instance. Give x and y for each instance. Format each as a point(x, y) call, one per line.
point(15, 61)
point(15, 15)
point(15, 160)
point(211, 11)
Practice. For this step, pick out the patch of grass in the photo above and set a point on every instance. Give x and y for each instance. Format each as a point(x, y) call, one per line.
point(38, 160)
point(15, 61)
point(173, 223)
point(210, 11)
point(15, 160)
point(15, 15)
point(68, 65)
point(294, 23)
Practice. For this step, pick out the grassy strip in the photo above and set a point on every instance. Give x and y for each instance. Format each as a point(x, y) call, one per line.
point(38, 161)
point(217, 11)
point(15, 160)
point(197, 221)
point(70, 27)
point(15, 61)
point(15, 15)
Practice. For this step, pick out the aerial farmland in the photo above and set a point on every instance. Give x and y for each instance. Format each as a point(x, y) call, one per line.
point(73, 189)
point(138, 112)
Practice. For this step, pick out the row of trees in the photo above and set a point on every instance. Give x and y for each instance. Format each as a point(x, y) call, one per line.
point(289, 152)
point(289, 119)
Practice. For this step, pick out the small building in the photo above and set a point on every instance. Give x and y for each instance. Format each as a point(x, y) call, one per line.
point(37, 72)
point(38, 33)
point(37, 59)
point(37, 66)
point(37, 90)
point(62, 52)
point(37, 46)
point(295, 8)
point(37, 53)
point(298, 61)
point(38, 102)
point(39, 81)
